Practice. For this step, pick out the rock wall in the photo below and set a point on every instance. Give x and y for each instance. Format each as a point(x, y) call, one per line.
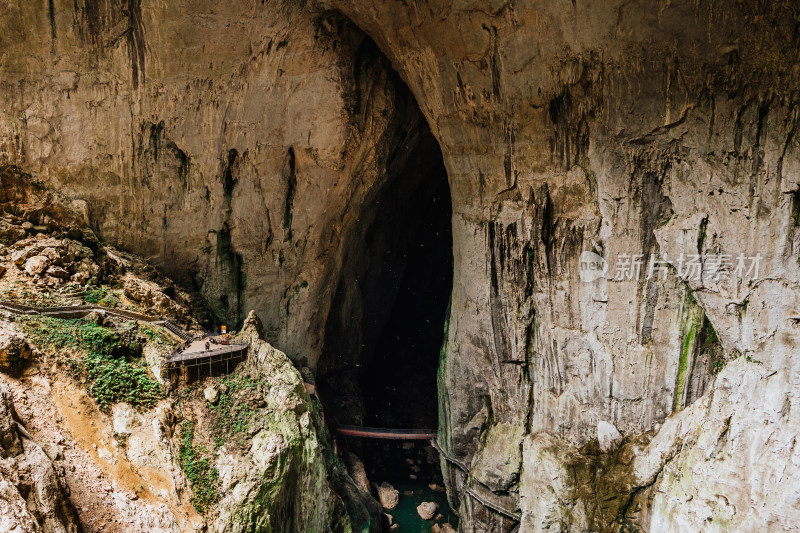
point(288, 480)
point(235, 147)
point(33, 494)
point(203, 138)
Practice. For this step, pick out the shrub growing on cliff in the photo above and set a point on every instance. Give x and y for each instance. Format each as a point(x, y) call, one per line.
point(232, 413)
point(117, 380)
point(101, 296)
point(198, 469)
point(110, 360)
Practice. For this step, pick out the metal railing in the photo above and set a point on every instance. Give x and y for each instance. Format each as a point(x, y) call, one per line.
point(471, 491)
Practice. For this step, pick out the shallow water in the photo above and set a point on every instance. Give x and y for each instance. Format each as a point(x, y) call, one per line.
point(405, 514)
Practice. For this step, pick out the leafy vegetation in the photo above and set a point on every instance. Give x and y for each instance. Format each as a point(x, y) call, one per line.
point(117, 380)
point(198, 469)
point(157, 335)
point(110, 361)
point(712, 346)
point(232, 417)
point(101, 296)
point(692, 322)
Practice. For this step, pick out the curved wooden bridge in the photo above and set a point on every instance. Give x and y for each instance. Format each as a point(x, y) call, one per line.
point(385, 433)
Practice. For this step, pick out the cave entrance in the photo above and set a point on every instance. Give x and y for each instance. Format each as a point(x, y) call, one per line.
point(398, 374)
point(386, 325)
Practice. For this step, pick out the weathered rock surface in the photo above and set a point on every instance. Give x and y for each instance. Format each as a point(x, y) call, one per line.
point(498, 463)
point(283, 477)
point(15, 352)
point(618, 127)
point(31, 492)
point(607, 436)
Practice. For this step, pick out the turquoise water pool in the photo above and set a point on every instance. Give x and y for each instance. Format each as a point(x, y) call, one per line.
point(405, 514)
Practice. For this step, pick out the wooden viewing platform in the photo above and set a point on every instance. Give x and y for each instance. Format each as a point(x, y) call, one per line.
point(193, 354)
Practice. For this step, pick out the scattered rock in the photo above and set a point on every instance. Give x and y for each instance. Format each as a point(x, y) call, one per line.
point(53, 452)
point(96, 318)
point(19, 257)
point(58, 272)
point(81, 277)
point(443, 528)
point(10, 233)
point(15, 352)
point(51, 254)
point(211, 394)
point(437, 488)
point(36, 265)
point(427, 510)
point(607, 436)
point(388, 496)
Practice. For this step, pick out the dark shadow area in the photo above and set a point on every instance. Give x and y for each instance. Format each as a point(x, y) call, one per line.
point(398, 377)
point(385, 328)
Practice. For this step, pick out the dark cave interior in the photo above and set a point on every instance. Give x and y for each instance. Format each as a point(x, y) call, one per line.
point(386, 324)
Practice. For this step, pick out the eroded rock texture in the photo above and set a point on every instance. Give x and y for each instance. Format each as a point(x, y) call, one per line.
point(239, 147)
point(33, 495)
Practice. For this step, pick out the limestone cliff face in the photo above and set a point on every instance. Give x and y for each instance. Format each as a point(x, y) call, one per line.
point(237, 147)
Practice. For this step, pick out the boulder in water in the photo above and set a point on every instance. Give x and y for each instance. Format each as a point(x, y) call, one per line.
point(427, 510)
point(388, 496)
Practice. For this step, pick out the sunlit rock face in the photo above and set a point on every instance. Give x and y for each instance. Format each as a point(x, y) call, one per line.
point(240, 147)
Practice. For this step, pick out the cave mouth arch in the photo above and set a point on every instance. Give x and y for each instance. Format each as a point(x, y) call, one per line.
point(386, 325)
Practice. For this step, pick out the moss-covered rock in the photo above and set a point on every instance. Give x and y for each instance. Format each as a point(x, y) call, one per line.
point(281, 483)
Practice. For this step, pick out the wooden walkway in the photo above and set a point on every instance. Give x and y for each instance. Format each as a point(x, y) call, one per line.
point(191, 351)
point(430, 435)
point(483, 499)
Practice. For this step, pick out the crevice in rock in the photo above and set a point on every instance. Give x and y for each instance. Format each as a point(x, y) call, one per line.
point(51, 13)
point(99, 18)
point(230, 174)
point(701, 355)
point(291, 184)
